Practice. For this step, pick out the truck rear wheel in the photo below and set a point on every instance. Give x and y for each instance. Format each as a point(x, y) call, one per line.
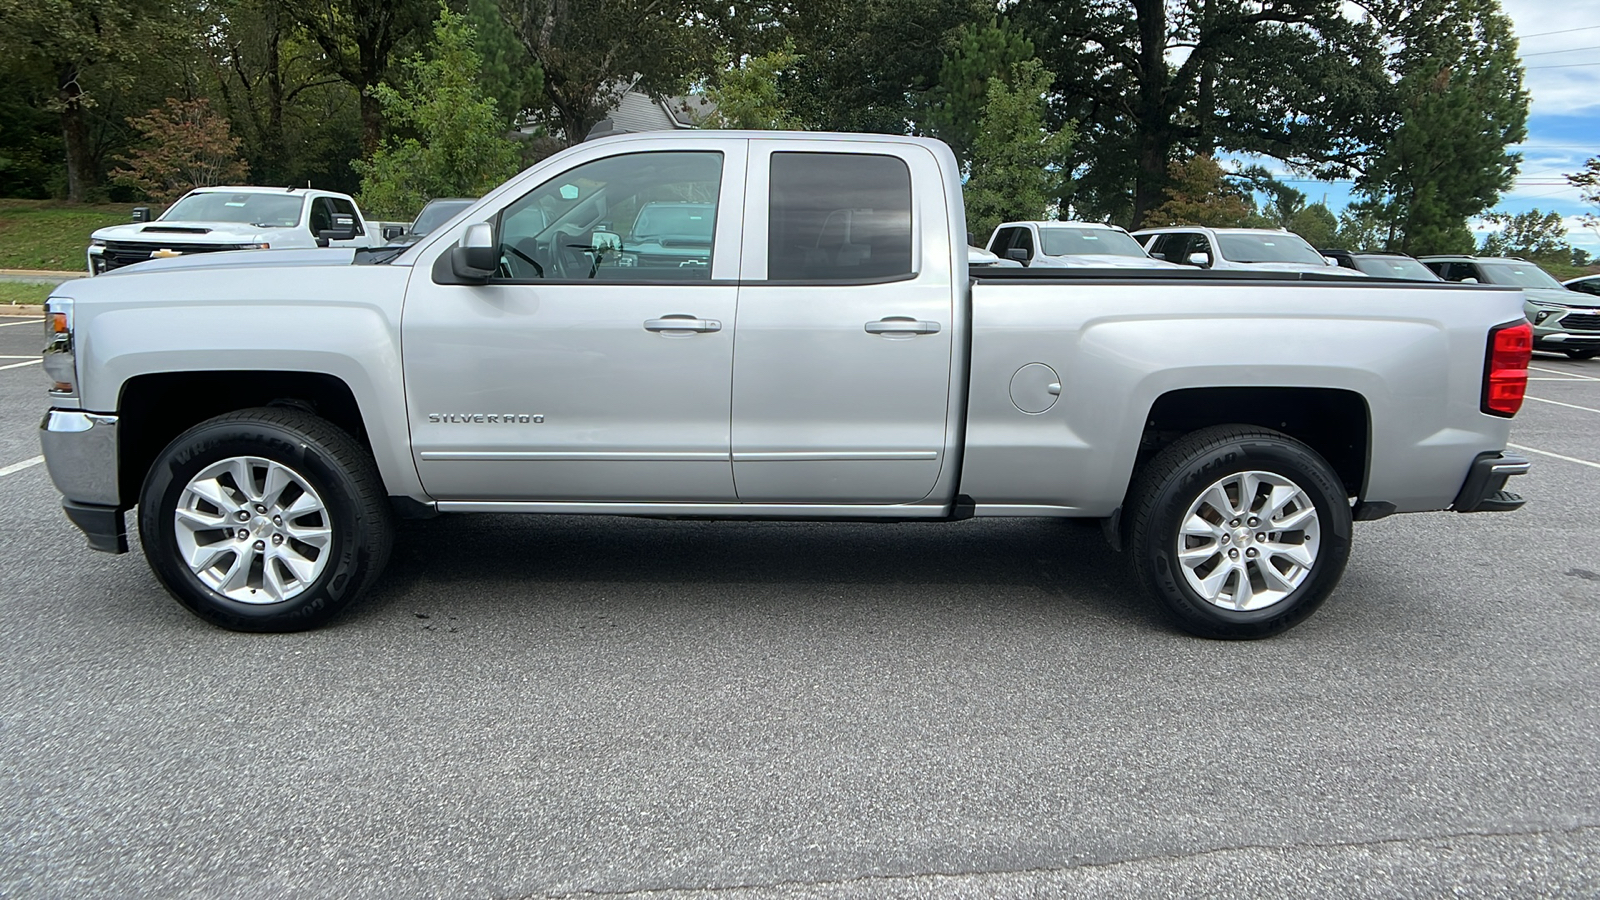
point(265, 520)
point(1239, 532)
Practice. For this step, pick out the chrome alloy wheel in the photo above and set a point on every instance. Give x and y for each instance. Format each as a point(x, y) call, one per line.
point(1249, 540)
point(253, 530)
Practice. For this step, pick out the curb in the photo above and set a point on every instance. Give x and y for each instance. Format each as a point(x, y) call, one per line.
point(39, 276)
point(21, 310)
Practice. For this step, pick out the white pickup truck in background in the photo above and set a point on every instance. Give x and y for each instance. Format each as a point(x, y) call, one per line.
point(210, 219)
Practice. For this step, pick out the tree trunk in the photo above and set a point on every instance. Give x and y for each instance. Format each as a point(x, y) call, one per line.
point(75, 133)
point(371, 121)
point(1153, 128)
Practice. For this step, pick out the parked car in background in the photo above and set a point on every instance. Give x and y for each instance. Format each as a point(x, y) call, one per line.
point(1070, 245)
point(1564, 321)
point(1260, 249)
point(210, 219)
point(435, 213)
point(1588, 284)
point(1383, 265)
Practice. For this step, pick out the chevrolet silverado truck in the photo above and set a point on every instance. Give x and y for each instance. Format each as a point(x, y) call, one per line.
point(818, 350)
point(212, 219)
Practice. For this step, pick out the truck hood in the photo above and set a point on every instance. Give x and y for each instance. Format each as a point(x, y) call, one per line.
point(191, 233)
point(1298, 267)
point(1104, 261)
point(238, 259)
point(1562, 297)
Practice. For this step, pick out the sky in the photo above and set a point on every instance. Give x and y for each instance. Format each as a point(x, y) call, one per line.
point(1559, 41)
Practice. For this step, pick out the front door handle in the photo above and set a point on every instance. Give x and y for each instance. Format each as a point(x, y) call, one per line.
point(677, 325)
point(902, 325)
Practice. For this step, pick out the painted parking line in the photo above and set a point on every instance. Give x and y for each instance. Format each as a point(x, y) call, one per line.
point(15, 356)
point(30, 320)
point(1574, 375)
point(1559, 403)
point(1570, 459)
point(18, 467)
point(31, 362)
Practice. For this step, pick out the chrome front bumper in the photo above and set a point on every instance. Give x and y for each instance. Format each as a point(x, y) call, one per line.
point(80, 451)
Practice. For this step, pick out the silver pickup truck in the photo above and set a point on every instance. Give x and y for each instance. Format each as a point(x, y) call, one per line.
point(761, 326)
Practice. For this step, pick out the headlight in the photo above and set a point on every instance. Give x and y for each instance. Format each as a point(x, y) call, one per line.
point(96, 242)
point(262, 246)
point(60, 356)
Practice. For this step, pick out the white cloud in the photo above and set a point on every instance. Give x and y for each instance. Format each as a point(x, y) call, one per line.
point(1558, 42)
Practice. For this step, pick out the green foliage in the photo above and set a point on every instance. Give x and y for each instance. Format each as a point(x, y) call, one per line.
point(14, 294)
point(749, 93)
point(1154, 81)
point(1017, 162)
point(1317, 224)
point(1459, 103)
point(981, 52)
point(460, 149)
point(1588, 180)
point(1536, 236)
point(185, 145)
point(1361, 229)
point(591, 53)
point(1199, 193)
point(509, 74)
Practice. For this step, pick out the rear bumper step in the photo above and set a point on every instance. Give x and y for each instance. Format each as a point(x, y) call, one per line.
point(1484, 490)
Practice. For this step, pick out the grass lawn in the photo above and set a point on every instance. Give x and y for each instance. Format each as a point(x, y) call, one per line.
point(42, 234)
point(13, 293)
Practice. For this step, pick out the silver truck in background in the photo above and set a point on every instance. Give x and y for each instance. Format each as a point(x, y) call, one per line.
point(801, 338)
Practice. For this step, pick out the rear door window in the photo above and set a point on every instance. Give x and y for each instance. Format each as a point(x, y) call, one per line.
point(839, 218)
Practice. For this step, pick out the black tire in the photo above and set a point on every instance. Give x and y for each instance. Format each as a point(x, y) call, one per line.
point(342, 474)
point(1589, 353)
point(1163, 491)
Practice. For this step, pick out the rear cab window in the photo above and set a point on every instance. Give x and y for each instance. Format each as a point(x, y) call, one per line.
point(839, 218)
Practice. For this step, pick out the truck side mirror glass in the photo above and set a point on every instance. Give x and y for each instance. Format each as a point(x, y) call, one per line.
point(1017, 253)
point(476, 256)
point(1203, 260)
point(390, 232)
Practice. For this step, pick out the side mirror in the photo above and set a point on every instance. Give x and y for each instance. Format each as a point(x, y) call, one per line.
point(141, 214)
point(1330, 260)
point(344, 228)
point(390, 232)
point(1203, 260)
point(1017, 253)
point(1468, 280)
point(477, 256)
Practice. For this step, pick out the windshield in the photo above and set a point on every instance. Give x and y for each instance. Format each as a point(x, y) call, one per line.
point(1519, 275)
point(1085, 241)
point(437, 213)
point(261, 210)
point(1395, 267)
point(1275, 248)
point(674, 220)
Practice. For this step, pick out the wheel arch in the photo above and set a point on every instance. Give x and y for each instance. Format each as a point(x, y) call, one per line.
point(156, 407)
point(1335, 422)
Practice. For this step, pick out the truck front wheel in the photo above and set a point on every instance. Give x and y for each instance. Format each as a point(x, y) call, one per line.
point(1239, 532)
point(265, 520)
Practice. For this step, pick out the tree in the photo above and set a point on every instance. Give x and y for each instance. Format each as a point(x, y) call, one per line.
point(1151, 82)
point(509, 74)
point(460, 151)
point(1017, 162)
point(1540, 237)
point(1360, 229)
point(592, 53)
point(79, 46)
point(359, 39)
point(1459, 103)
point(749, 94)
point(186, 145)
point(1199, 193)
point(1317, 224)
point(981, 52)
point(1588, 180)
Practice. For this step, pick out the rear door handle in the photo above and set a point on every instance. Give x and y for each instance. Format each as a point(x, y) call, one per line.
point(681, 325)
point(902, 325)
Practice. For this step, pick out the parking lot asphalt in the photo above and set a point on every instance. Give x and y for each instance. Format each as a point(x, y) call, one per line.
point(548, 707)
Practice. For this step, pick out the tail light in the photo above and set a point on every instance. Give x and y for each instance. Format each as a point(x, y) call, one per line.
point(1505, 371)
